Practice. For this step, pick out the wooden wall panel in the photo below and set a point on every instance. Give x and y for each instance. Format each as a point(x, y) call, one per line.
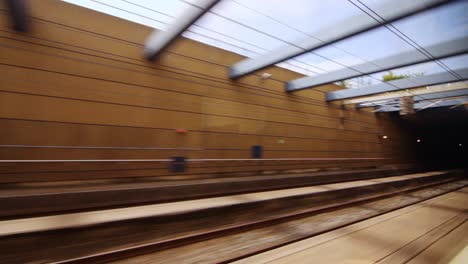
point(76, 87)
point(219, 80)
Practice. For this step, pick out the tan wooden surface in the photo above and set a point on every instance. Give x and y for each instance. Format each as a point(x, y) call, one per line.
point(78, 78)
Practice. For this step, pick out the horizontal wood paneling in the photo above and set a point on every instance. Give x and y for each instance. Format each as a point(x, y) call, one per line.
point(17, 132)
point(16, 57)
point(186, 63)
point(78, 79)
point(15, 173)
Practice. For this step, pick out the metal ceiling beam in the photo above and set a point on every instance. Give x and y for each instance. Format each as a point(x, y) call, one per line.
point(391, 11)
point(427, 104)
point(159, 40)
point(421, 97)
point(441, 95)
point(401, 84)
point(438, 51)
point(408, 92)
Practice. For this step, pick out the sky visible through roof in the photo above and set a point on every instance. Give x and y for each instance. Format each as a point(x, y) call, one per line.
point(254, 27)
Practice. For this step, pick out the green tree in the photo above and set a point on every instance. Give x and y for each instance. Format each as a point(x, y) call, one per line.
point(390, 76)
point(343, 83)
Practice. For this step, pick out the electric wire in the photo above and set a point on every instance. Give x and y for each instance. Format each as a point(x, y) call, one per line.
point(406, 39)
point(206, 36)
point(274, 37)
point(412, 43)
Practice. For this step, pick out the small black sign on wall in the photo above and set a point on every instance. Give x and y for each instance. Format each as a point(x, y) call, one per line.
point(257, 152)
point(178, 164)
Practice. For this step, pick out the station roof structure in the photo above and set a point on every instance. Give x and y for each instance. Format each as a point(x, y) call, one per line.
point(353, 42)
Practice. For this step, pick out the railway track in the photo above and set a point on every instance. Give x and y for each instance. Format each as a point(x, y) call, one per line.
point(251, 225)
point(228, 245)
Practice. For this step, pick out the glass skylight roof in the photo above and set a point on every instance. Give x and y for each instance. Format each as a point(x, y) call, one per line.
point(254, 27)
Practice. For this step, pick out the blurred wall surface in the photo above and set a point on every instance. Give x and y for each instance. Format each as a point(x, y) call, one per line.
point(76, 87)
